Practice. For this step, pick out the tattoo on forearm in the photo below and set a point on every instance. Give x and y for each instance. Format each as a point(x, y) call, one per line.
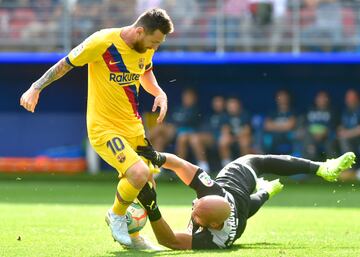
point(54, 73)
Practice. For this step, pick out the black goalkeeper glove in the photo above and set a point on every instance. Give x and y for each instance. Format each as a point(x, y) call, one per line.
point(149, 153)
point(147, 197)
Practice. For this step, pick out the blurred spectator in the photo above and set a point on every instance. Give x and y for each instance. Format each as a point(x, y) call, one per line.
point(236, 22)
point(233, 17)
point(21, 17)
point(47, 25)
point(202, 25)
point(185, 15)
point(236, 132)
point(268, 17)
point(184, 122)
point(329, 31)
point(278, 25)
point(162, 135)
point(349, 130)
point(187, 120)
point(85, 18)
point(320, 124)
point(118, 13)
point(211, 129)
point(279, 126)
point(142, 5)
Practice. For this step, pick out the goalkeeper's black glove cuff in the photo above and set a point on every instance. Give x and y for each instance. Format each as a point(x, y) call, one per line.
point(154, 215)
point(160, 160)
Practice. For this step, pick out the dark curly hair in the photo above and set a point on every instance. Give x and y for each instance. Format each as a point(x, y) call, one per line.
point(154, 19)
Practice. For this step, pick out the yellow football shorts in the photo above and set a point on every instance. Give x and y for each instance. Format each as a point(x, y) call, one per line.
point(119, 152)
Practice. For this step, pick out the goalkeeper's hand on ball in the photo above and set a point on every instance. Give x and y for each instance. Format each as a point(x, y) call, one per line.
point(147, 198)
point(149, 153)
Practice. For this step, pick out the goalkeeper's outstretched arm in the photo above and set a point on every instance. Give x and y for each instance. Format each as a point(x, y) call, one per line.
point(183, 169)
point(164, 234)
point(167, 237)
point(30, 98)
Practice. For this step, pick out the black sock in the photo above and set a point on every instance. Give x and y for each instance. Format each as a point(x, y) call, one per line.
point(256, 201)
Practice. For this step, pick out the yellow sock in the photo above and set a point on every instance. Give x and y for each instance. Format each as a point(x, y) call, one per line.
point(125, 195)
point(135, 234)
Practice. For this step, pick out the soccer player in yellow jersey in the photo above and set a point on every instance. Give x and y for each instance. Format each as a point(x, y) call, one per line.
point(119, 60)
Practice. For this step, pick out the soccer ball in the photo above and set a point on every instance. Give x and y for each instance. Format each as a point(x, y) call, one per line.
point(136, 217)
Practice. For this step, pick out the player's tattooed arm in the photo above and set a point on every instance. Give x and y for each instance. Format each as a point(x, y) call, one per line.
point(52, 74)
point(30, 98)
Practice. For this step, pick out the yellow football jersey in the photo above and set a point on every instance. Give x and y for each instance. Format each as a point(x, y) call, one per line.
point(114, 70)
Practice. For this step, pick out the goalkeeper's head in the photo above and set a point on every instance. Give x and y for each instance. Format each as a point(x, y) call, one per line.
point(211, 211)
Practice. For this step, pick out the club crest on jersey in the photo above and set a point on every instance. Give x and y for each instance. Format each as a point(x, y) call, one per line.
point(121, 157)
point(205, 179)
point(141, 63)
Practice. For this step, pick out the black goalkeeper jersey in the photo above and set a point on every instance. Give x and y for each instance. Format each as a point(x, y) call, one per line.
point(235, 183)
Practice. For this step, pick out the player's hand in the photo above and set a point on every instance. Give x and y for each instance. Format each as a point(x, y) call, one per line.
point(161, 102)
point(149, 153)
point(29, 99)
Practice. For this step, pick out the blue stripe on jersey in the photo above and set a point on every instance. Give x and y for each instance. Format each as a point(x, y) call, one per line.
point(68, 61)
point(133, 89)
point(117, 58)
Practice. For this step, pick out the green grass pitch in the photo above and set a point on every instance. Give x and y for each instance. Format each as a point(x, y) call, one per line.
point(64, 216)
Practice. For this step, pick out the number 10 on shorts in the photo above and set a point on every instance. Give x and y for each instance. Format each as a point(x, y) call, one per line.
point(115, 145)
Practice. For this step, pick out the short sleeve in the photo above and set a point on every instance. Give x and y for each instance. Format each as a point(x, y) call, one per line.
point(149, 62)
point(149, 66)
point(204, 185)
point(203, 240)
point(88, 51)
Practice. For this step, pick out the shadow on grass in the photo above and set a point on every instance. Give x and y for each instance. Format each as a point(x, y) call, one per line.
point(144, 253)
point(265, 245)
point(259, 245)
point(234, 248)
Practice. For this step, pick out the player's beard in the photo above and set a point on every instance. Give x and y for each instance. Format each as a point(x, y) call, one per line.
point(139, 47)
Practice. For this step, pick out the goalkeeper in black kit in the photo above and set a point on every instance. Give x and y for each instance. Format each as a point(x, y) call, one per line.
point(223, 205)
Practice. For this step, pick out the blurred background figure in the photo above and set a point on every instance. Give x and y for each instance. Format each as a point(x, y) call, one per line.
point(86, 17)
point(349, 129)
point(187, 120)
point(183, 125)
point(112, 8)
point(47, 23)
point(213, 25)
point(279, 126)
point(207, 132)
point(268, 18)
point(320, 127)
point(235, 139)
point(330, 31)
point(210, 133)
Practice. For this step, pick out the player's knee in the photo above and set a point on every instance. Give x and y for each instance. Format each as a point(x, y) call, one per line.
point(138, 174)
